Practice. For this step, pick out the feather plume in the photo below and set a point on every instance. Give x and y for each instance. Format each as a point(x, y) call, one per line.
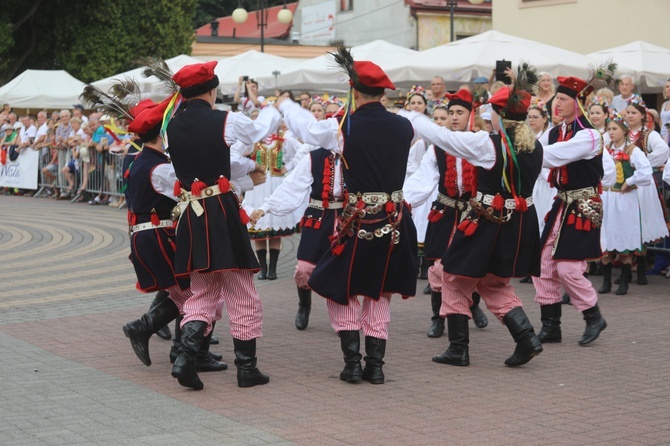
point(126, 90)
point(526, 78)
point(345, 60)
point(479, 94)
point(602, 75)
point(155, 66)
point(104, 102)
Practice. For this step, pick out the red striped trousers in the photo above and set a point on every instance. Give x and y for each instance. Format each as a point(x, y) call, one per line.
point(373, 316)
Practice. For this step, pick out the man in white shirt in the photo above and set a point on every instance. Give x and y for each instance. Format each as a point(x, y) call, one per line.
point(626, 86)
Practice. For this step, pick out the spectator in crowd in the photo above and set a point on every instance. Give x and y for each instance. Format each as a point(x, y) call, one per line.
point(250, 100)
point(78, 112)
point(626, 85)
point(305, 99)
point(665, 111)
point(437, 89)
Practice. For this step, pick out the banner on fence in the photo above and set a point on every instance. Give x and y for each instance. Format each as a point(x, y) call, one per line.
point(21, 173)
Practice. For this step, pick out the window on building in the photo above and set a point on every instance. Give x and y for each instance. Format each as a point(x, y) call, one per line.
point(346, 5)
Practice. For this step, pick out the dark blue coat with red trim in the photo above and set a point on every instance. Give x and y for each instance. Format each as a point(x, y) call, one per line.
point(576, 240)
point(510, 249)
point(152, 251)
point(376, 148)
point(217, 240)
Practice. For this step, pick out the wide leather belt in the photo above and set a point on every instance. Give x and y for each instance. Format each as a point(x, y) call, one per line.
point(318, 204)
point(187, 197)
point(149, 225)
point(569, 196)
point(377, 197)
point(452, 202)
point(509, 203)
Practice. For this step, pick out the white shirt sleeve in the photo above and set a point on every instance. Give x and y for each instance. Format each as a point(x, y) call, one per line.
point(163, 178)
point(419, 187)
point(318, 133)
point(584, 145)
point(643, 171)
point(477, 148)
point(416, 154)
point(609, 170)
point(657, 149)
point(292, 192)
point(240, 165)
point(242, 185)
point(290, 149)
point(241, 128)
point(666, 172)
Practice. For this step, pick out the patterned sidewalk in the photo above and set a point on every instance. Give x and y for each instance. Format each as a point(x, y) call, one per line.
point(68, 375)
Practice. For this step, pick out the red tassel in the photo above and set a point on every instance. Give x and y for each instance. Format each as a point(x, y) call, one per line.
point(464, 225)
point(470, 229)
point(564, 175)
point(571, 219)
point(337, 250)
point(600, 188)
point(317, 225)
point(308, 223)
point(324, 204)
point(578, 224)
point(434, 216)
point(197, 187)
point(520, 204)
point(177, 188)
point(360, 204)
point(133, 219)
point(587, 224)
point(498, 202)
point(224, 184)
point(154, 218)
point(126, 174)
point(244, 217)
point(390, 206)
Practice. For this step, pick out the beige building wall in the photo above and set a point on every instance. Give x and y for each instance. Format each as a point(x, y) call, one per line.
point(584, 26)
point(435, 29)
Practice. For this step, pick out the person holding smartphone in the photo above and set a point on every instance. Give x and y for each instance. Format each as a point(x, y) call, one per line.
point(249, 98)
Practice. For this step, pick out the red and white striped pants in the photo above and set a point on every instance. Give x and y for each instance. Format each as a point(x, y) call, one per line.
point(179, 296)
point(303, 271)
point(435, 275)
point(373, 316)
point(568, 274)
point(234, 289)
point(496, 292)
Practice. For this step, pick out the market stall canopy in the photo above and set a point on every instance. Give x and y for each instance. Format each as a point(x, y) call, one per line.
point(321, 73)
point(150, 87)
point(42, 89)
point(649, 64)
point(461, 61)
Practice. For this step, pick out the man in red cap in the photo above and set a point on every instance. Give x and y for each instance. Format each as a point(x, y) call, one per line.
point(374, 251)
point(573, 151)
point(499, 238)
point(454, 178)
point(213, 245)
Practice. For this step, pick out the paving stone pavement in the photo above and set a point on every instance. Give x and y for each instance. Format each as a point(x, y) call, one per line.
point(68, 375)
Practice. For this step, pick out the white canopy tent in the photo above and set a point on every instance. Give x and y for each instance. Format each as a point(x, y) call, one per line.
point(649, 64)
point(321, 73)
point(150, 87)
point(42, 89)
point(461, 61)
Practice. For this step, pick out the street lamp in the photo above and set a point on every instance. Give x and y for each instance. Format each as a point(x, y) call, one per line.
point(276, 73)
point(451, 4)
point(284, 16)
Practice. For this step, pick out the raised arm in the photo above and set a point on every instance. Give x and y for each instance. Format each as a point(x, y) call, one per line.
point(584, 145)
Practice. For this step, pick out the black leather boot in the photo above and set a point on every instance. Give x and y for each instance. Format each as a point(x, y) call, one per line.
point(176, 343)
point(437, 326)
point(565, 300)
point(551, 323)
point(595, 323)
point(204, 361)
point(164, 331)
point(607, 279)
point(184, 368)
point(642, 270)
point(248, 374)
point(262, 260)
point(375, 348)
point(140, 331)
point(304, 308)
point(427, 290)
point(272, 269)
point(626, 276)
point(350, 340)
point(527, 344)
point(423, 267)
point(478, 315)
point(459, 341)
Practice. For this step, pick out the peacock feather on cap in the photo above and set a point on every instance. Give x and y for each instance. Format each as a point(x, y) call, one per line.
point(345, 61)
point(155, 66)
point(105, 102)
point(127, 90)
point(602, 75)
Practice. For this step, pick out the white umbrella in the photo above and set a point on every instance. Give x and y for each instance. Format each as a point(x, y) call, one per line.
point(649, 64)
point(39, 89)
point(461, 61)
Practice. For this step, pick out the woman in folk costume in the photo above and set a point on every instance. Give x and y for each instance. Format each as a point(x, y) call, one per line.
point(318, 177)
point(621, 205)
point(274, 153)
point(373, 254)
point(453, 178)
point(499, 239)
point(418, 102)
point(651, 143)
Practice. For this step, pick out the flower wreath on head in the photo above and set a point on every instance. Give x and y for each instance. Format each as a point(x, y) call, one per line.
point(539, 105)
point(441, 103)
point(636, 99)
point(599, 100)
point(317, 100)
point(335, 100)
point(417, 90)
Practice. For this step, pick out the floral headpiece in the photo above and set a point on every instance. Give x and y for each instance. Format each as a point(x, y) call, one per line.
point(599, 100)
point(539, 105)
point(442, 103)
point(317, 100)
point(637, 100)
point(417, 90)
point(335, 100)
point(619, 120)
